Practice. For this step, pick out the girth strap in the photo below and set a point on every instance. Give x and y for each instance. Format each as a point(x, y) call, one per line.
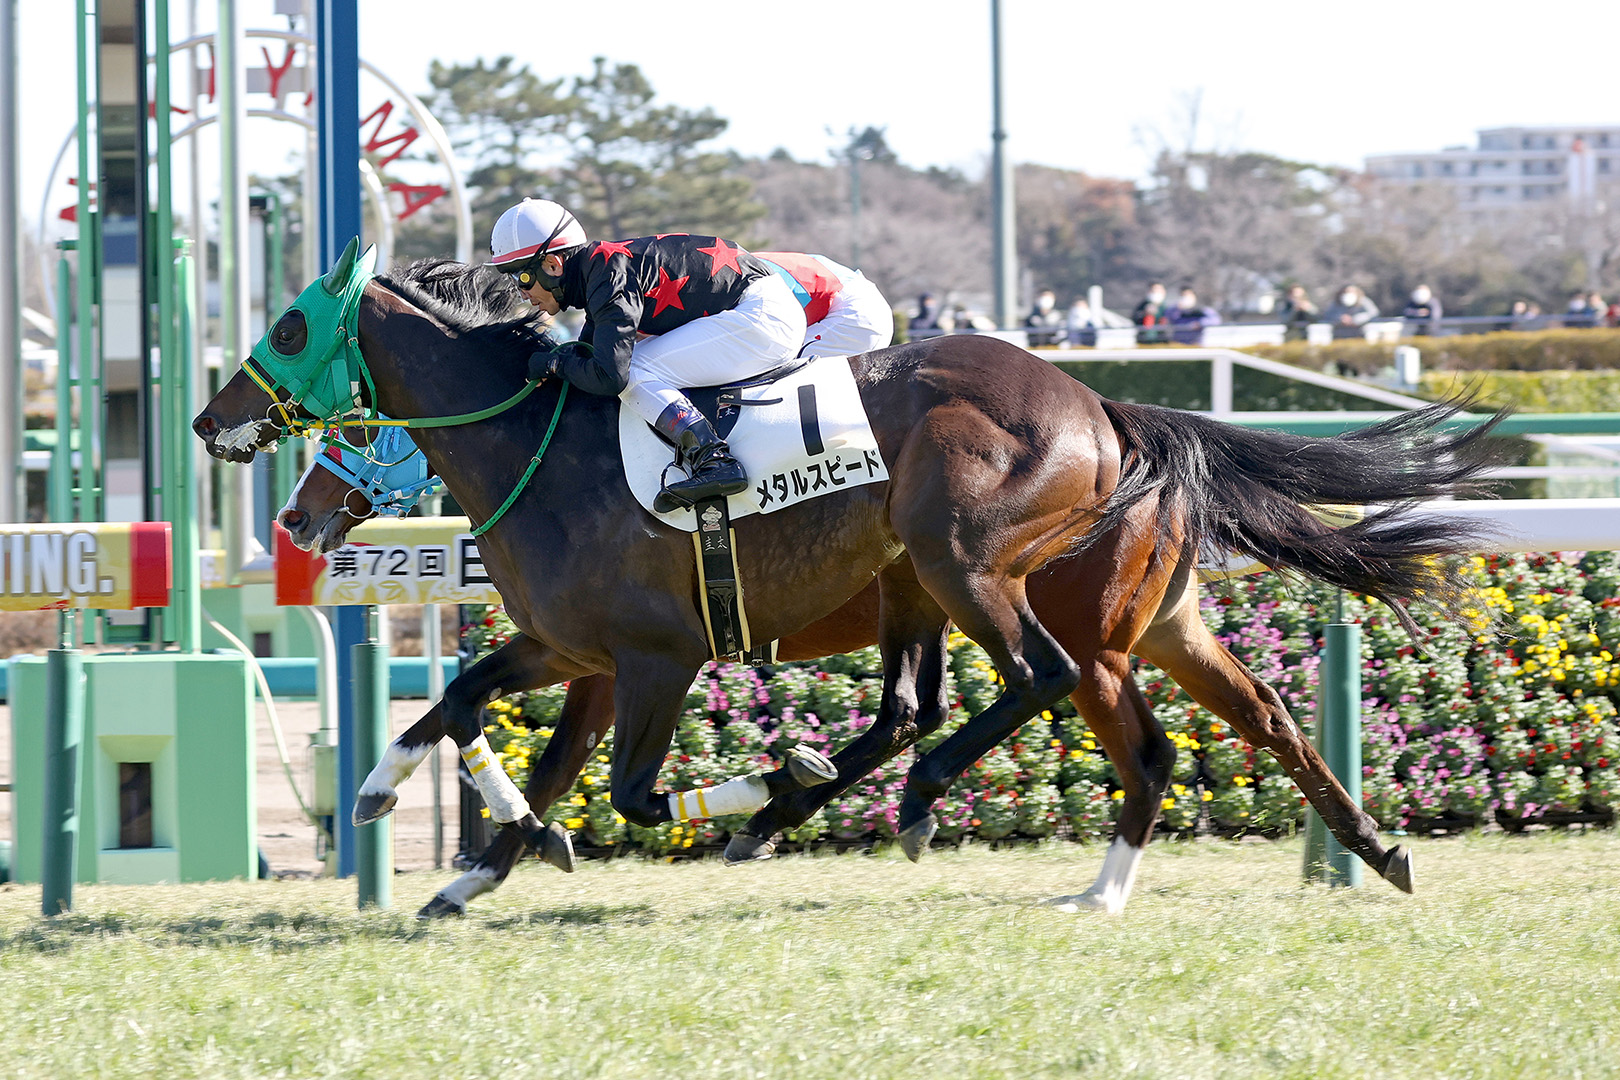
point(720, 592)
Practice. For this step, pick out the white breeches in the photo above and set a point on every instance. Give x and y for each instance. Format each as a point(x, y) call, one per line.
point(858, 321)
point(763, 331)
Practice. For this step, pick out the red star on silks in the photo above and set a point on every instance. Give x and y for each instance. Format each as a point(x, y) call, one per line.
point(722, 257)
point(609, 248)
point(667, 293)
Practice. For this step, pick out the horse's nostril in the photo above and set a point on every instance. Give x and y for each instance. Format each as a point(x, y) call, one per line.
point(293, 520)
point(205, 426)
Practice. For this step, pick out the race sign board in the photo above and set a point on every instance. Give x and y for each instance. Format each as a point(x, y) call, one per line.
point(85, 564)
point(430, 560)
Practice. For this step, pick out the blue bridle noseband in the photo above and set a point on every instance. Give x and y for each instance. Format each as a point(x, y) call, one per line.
point(390, 472)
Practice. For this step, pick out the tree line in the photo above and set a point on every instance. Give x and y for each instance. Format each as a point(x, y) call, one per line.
point(1235, 225)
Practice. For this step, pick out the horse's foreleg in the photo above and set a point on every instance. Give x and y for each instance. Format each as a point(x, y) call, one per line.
point(1119, 715)
point(502, 671)
point(912, 635)
point(1217, 680)
point(586, 716)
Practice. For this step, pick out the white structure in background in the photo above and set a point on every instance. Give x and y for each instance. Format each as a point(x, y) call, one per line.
point(1515, 166)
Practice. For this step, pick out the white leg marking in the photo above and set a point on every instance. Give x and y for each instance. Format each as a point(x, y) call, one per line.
point(1113, 885)
point(740, 796)
point(396, 766)
point(505, 801)
point(470, 886)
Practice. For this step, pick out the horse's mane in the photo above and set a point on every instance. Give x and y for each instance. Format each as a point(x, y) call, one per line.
point(473, 300)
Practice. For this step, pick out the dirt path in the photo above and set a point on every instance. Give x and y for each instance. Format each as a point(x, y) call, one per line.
point(286, 840)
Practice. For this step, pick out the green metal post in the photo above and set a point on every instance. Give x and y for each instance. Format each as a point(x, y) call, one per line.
point(61, 477)
point(374, 844)
point(64, 735)
point(287, 465)
point(89, 486)
point(180, 468)
point(1341, 734)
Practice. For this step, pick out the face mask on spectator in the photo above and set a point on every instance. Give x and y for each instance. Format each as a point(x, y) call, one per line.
point(1188, 300)
point(1347, 297)
point(1420, 295)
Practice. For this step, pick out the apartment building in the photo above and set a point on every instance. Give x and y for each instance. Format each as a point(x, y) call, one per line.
point(1515, 166)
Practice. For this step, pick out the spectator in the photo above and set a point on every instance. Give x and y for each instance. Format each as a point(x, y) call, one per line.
point(1044, 320)
point(927, 317)
point(1082, 328)
point(1350, 311)
point(1188, 318)
point(1424, 309)
point(1296, 313)
point(1600, 310)
point(1149, 315)
point(1518, 316)
point(1579, 310)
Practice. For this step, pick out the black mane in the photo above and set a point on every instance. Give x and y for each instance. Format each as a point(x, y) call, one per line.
point(473, 300)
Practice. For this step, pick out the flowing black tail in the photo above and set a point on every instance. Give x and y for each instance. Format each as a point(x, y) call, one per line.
point(1247, 490)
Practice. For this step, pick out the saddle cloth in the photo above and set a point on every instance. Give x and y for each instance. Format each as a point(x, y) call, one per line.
point(807, 437)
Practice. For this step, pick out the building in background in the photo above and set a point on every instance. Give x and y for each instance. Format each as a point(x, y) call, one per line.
point(1514, 167)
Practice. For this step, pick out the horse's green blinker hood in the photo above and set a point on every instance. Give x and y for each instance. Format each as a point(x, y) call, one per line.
point(326, 376)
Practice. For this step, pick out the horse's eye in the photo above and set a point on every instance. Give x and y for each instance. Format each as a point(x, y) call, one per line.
point(288, 336)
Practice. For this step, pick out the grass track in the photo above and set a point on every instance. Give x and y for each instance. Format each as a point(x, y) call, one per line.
point(1506, 964)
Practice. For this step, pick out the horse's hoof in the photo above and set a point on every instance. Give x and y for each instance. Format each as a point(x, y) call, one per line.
point(1074, 905)
point(810, 768)
point(373, 806)
point(555, 845)
point(914, 839)
point(440, 908)
point(743, 848)
point(1398, 868)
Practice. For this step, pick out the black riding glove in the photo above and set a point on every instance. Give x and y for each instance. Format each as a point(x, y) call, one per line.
point(561, 361)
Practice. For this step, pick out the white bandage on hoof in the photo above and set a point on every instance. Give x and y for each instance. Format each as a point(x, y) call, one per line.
point(506, 803)
point(740, 796)
point(396, 766)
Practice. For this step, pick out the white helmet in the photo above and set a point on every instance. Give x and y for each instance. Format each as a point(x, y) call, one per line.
point(532, 227)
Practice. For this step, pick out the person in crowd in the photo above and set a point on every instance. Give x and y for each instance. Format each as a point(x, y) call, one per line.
point(1188, 318)
point(1600, 310)
point(1423, 309)
point(1350, 311)
point(1296, 312)
point(1044, 319)
point(1149, 315)
point(1516, 317)
point(927, 317)
point(1578, 312)
point(1079, 323)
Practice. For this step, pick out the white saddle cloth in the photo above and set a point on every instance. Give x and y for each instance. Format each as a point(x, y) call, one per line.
point(812, 440)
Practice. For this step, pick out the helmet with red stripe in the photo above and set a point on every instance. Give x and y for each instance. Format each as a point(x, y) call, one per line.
point(532, 228)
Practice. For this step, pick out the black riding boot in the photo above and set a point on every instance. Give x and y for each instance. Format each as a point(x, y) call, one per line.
point(713, 472)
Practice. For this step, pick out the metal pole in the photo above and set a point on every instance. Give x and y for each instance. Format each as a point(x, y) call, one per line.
point(431, 649)
point(230, 80)
point(89, 493)
point(182, 467)
point(1341, 734)
point(374, 844)
point(64, 732)
point(1003, 236)
point(13, 493)
point(61, 490)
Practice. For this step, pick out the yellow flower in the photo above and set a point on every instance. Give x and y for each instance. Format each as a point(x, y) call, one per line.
point(1117, 795)
point(574, 823)
point(1167, 804)
point(1207, 795)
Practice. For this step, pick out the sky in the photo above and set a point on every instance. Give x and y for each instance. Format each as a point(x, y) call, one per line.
point(1089, 85)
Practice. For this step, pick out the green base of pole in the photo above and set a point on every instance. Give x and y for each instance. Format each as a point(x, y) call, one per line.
point(1339, 737)
point(64, 727)
point(374, 843)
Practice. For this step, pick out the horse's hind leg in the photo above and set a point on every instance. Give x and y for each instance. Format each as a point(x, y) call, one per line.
point(586, 716)
point(1122, 720)
point(912, 634)
point(993, 611)
point(1182, 645)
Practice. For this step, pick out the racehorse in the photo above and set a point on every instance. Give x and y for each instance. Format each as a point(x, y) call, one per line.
point(998, 463)
point(329, 501)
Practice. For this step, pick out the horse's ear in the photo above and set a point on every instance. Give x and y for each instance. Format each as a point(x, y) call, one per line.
point(338, 276)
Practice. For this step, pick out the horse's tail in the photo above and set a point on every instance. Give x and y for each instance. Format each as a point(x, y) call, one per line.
point(1248, 490)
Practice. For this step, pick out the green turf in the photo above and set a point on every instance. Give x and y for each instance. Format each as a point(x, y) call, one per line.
point(1506, 964)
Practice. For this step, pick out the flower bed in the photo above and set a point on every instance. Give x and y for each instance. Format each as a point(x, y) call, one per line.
point(1511, 720)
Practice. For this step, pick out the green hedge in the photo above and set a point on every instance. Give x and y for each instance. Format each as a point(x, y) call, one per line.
point(1532, 391)
point(1516, 724)
point(1596, 349)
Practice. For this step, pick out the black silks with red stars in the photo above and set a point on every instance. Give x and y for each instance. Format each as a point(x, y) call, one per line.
point(651, 285)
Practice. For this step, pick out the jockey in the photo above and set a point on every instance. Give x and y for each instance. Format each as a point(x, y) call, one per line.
point(846, 313)
point(712, 313)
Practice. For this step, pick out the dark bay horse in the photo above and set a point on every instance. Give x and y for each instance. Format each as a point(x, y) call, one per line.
point(998, 463)
point(1062, 594)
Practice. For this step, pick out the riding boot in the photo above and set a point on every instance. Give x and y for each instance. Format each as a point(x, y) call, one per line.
point(712, 471)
